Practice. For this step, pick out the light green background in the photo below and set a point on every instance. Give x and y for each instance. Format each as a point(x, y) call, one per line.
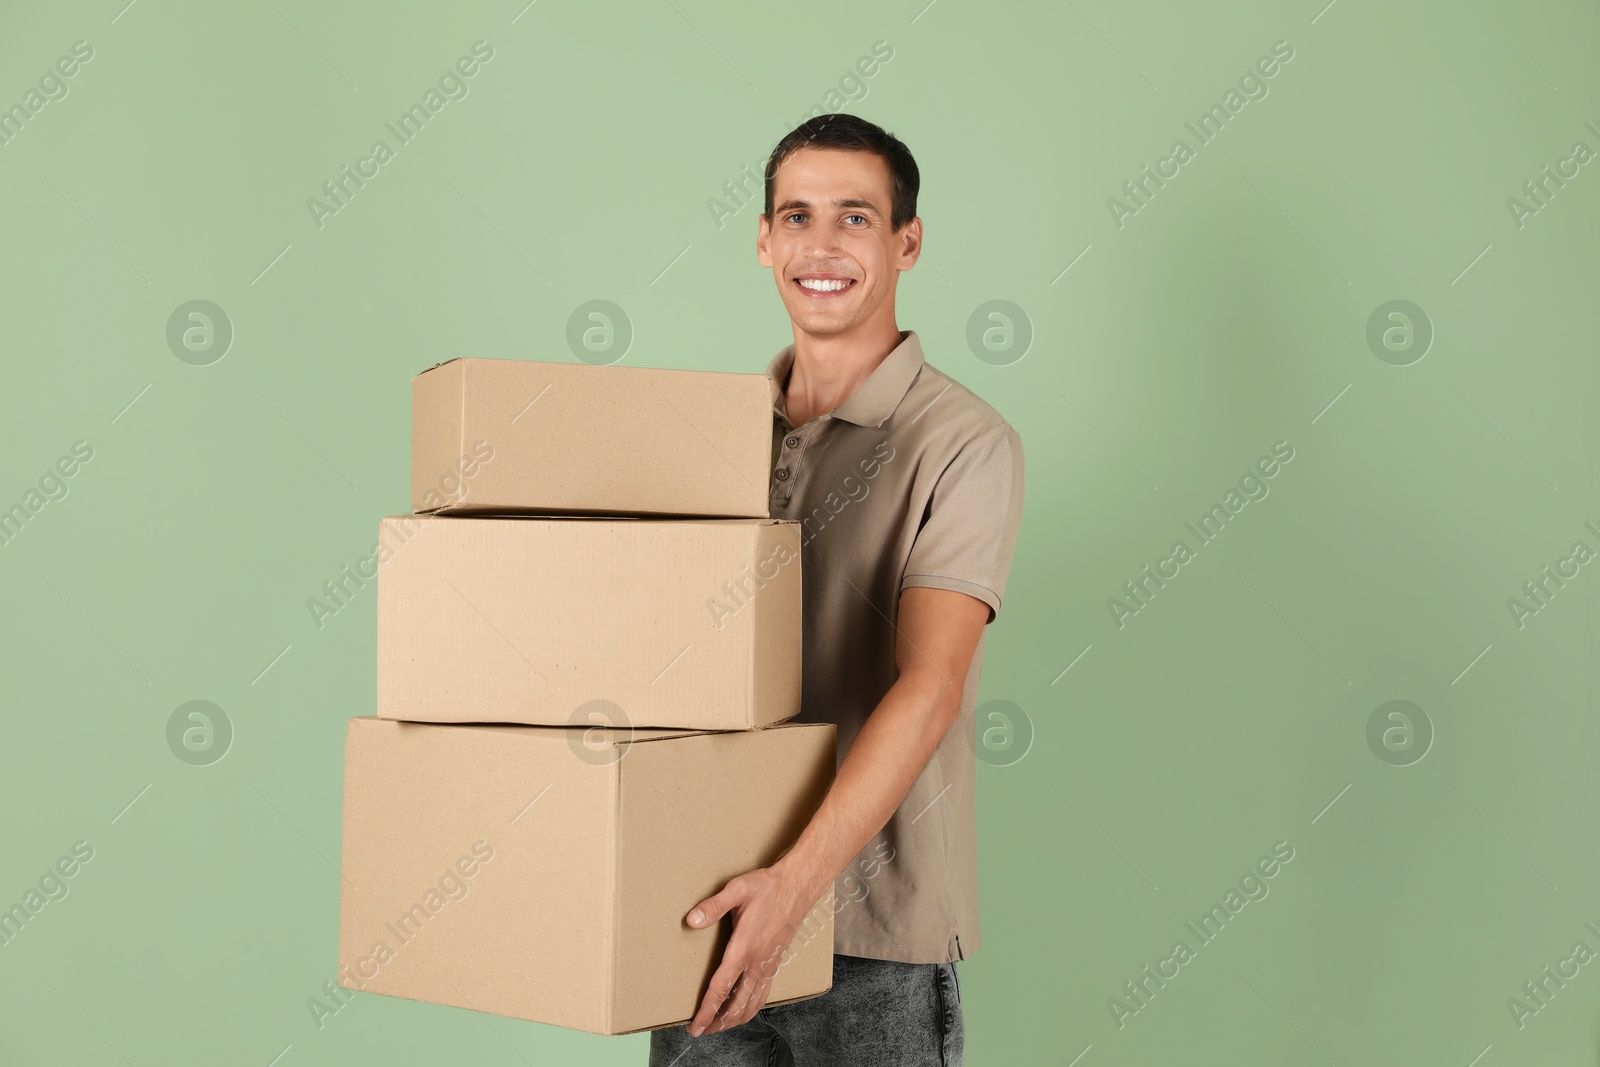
point(1226, 315)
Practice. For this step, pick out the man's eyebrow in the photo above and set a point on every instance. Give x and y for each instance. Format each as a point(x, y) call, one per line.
point(792, 205)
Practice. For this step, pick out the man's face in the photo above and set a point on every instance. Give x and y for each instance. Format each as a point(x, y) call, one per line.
point(829, 244)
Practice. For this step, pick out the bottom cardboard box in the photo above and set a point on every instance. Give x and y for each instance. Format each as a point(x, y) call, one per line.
point(544, 872)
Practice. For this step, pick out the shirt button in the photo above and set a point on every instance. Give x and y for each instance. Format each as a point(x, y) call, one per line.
point(782, 474)
point(793, 442)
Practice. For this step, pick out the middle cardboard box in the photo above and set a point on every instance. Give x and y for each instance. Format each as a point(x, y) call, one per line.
point(595, 621)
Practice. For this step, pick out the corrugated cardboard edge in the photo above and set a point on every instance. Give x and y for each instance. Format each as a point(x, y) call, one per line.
point(613, 906)
point(602, 366)
point(344, 855)
point(635, 517)
point(681, 731)
point(446, 447)
point(681, 1022)
point(773, 387)
point(503, 511)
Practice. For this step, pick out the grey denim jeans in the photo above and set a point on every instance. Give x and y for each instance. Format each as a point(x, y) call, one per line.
point(879, 1013)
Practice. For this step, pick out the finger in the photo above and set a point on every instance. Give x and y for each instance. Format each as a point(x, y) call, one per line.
point(719, 1020)
point(717, 992)
point(754, 1001)
point(741, 1006)
point(715, 907)
point(748, 994)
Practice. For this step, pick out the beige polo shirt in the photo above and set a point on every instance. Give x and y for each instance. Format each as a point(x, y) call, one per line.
point(912, 480)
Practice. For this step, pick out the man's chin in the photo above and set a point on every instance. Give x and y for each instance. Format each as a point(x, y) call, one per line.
point(821, 324)
point(819, 328)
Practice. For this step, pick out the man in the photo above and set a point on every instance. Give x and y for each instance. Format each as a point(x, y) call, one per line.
point(909, 490)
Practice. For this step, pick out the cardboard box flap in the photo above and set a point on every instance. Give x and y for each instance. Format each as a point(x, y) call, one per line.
point(605, 368)
point(553, 735)
point(642, 734)
point(606, 516)
point(468, 361)
point(790, 721)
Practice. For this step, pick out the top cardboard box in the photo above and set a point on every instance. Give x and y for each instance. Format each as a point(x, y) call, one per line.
point(527, 436)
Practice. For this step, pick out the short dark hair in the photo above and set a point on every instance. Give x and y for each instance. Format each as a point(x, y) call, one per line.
point(852, 134)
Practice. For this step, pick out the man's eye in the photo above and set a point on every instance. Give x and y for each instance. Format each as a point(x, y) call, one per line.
point(795, 215)
point(863, 218)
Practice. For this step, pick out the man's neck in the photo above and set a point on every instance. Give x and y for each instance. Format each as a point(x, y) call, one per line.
point(827, 370)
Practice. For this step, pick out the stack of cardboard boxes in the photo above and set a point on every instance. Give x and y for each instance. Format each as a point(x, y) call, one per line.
point(588, 645)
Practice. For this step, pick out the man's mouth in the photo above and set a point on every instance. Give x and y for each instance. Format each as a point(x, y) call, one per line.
point(824, 287)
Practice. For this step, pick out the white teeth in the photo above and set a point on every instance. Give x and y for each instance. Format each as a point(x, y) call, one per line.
point(821, 286)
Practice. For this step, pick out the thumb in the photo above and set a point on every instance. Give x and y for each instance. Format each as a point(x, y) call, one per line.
point(715, 907)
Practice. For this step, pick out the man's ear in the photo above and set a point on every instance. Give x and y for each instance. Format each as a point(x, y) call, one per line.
point(763, 236)
point(910, 244)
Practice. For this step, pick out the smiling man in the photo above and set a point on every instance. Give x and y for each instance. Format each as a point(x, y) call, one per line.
point(908, 487)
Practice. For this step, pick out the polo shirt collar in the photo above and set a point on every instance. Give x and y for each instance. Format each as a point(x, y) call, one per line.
point(876, 398)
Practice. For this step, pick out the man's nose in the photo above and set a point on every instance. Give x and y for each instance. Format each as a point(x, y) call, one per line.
point(822, 243)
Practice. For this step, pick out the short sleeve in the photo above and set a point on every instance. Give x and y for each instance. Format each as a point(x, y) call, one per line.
point(969, 530)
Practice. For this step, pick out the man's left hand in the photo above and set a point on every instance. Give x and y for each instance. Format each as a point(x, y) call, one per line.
point(767, 906)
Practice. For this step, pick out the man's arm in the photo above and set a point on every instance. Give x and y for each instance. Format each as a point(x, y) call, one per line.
point(935, 641)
